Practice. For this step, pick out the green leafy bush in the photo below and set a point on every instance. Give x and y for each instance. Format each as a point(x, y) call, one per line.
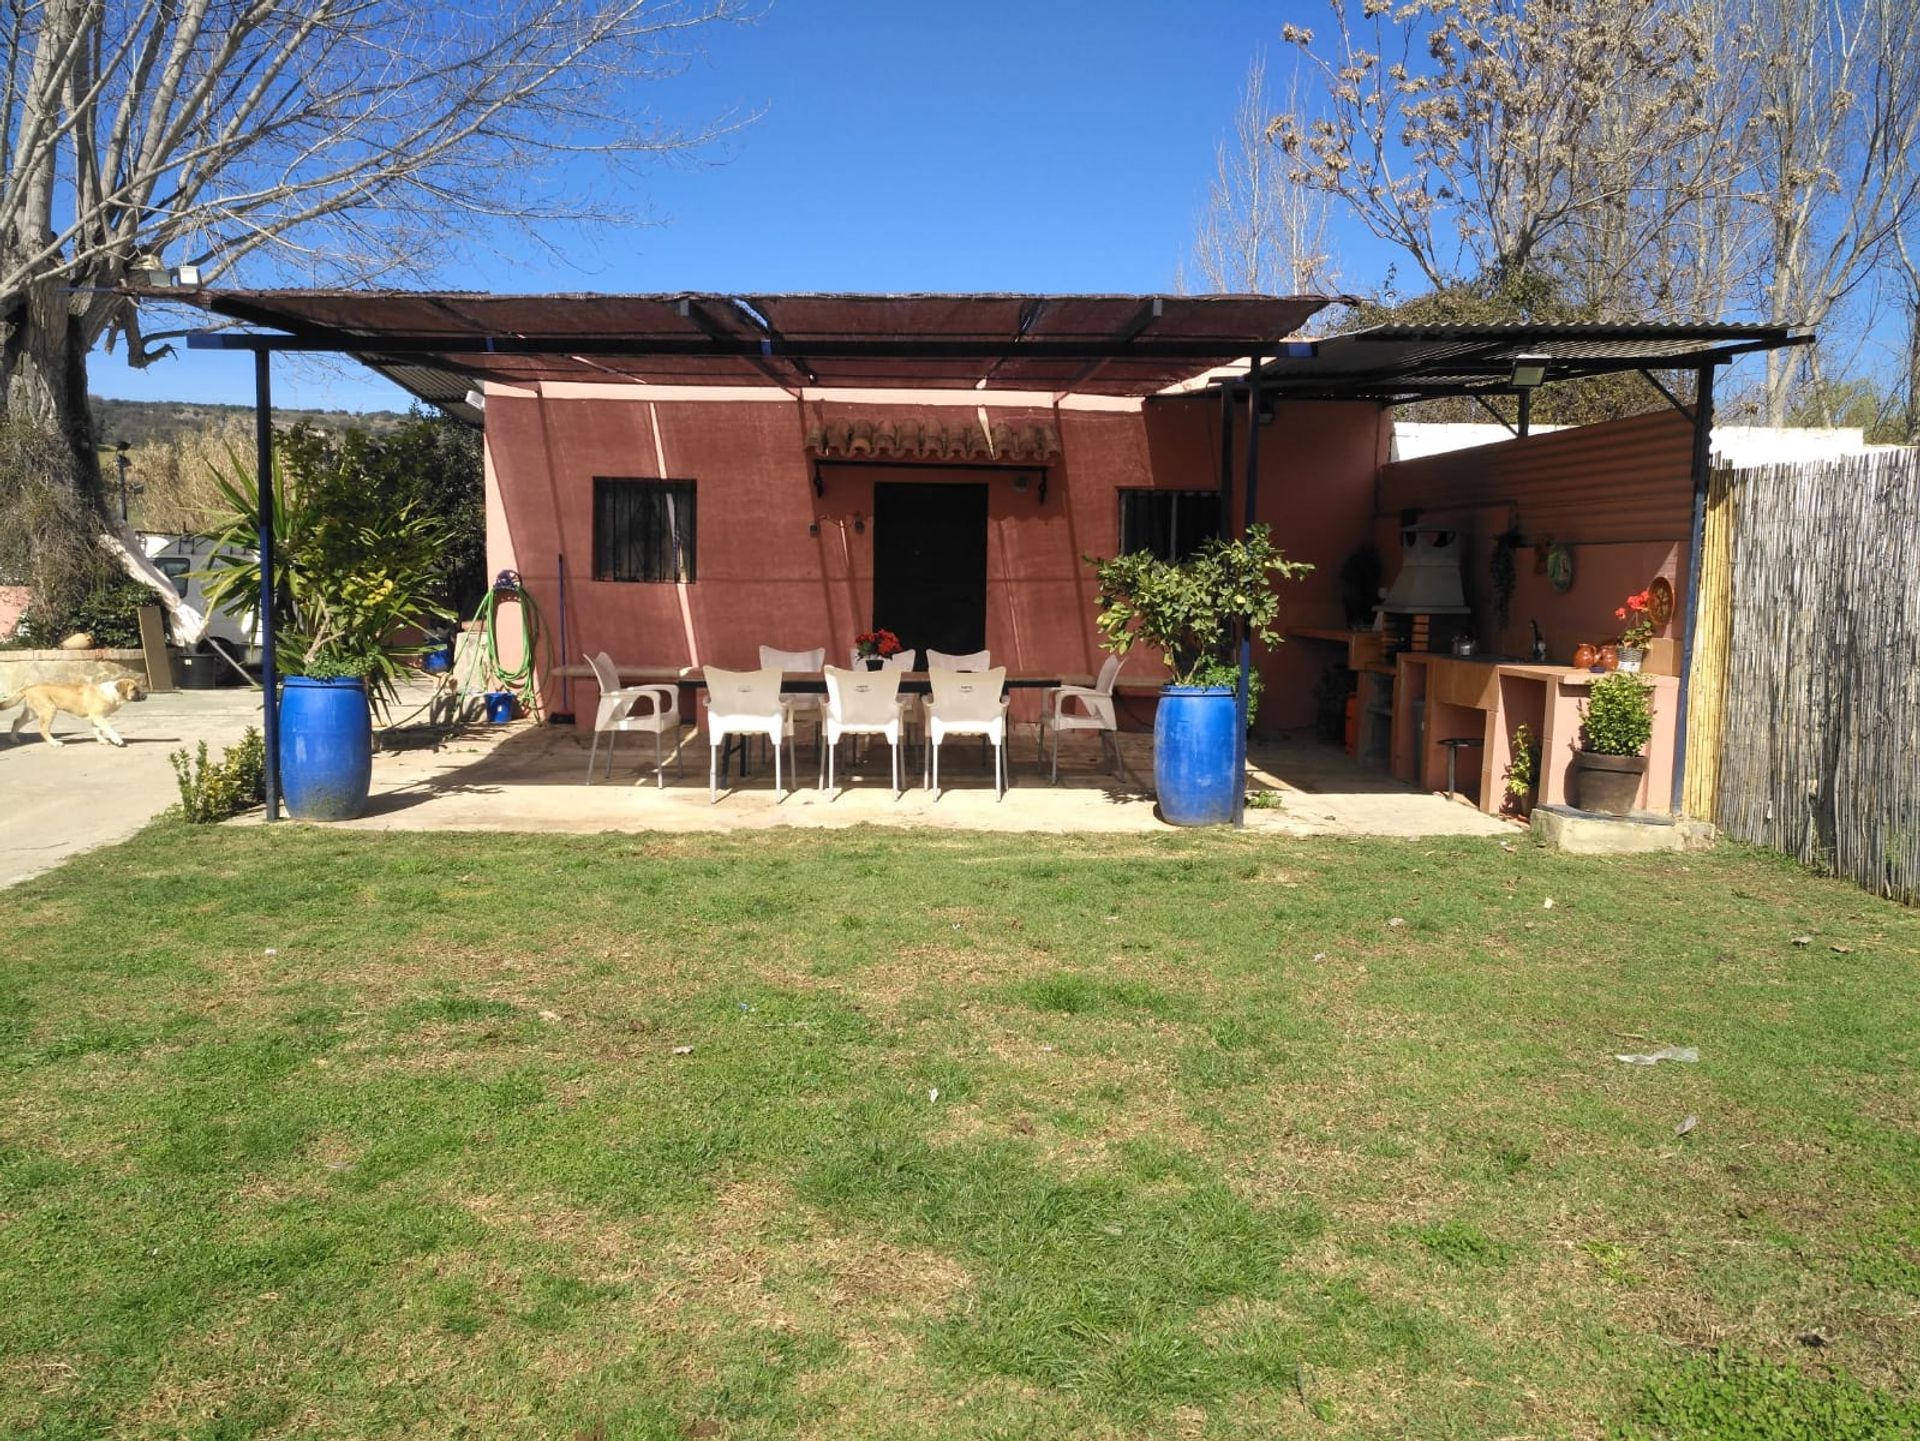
point(1525, 763)
point(109, 611)
point(1617, 719)
point(213, 792)
point(1191, 608)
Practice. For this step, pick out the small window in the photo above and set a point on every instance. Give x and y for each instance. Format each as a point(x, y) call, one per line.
point(1170, 523)
point(643, 529)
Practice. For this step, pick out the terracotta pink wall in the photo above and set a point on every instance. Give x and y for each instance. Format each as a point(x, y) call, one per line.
point(1619, 495)
point(763, 579)
point(13, 605)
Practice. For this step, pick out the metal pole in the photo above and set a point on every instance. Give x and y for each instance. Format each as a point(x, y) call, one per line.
point(120, 455)
point(263, 473)
point(1702, 468)
point(1226, 462)
point(1526, 413)
point(1249, 502)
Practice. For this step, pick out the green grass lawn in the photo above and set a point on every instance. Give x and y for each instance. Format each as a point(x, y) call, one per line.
point(880, 1134)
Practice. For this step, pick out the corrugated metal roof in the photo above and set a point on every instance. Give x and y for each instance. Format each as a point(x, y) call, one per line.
point(1406, 363)
point(1130, 345)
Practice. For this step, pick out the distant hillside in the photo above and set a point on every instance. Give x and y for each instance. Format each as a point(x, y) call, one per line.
point(139, 421)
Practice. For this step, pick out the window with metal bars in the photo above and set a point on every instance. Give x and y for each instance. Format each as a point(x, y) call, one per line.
point(643, 529)
point(1169, 523)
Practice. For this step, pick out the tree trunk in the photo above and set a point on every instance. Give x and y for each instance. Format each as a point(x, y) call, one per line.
point(43, 379)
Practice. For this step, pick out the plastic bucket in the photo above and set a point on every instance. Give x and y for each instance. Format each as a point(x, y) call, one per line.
point(326, 748)
point(499, 707)
point(1198, 756)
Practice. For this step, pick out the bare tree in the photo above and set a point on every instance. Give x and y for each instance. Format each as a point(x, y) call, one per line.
point(337, 139)
point(1262, 233)
point(1833, 129)
point(1478, 136)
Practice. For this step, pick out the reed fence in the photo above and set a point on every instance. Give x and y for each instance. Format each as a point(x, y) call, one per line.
point(1818, 661)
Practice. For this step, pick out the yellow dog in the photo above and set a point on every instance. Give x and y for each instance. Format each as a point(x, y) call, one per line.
point(93, 701)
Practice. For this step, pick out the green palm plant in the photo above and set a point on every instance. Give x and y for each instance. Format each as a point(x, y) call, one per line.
point(353, 571)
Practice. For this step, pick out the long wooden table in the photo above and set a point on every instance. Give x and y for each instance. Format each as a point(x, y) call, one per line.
point(912, 682)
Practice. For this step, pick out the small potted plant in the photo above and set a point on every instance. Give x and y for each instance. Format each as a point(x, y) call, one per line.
point(1632, 646)
point(1194, 610)
point(1523, 769)
point(871, 648)
point(1615, 725)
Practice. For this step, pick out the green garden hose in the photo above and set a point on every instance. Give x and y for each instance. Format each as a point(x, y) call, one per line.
point(519, 679)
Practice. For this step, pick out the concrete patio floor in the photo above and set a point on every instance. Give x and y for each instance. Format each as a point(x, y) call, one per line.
point(527, 777)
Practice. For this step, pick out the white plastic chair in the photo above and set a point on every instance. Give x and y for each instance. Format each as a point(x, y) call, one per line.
point(804, 662)
point(941, 660)
point(968, 703)
point(1091, 710)
point(972, 660)
point(616, 713)
point(861, 702)
point(901, 660)
point(745, 703)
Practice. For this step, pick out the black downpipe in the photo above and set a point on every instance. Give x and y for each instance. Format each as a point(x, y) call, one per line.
point(269, 674)
point(1226, 462)
point(1702, 468)
point(1249, 502)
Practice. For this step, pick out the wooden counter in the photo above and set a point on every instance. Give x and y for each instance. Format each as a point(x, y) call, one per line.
point(1437, 698)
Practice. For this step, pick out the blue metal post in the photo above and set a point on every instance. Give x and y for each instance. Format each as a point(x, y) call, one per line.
point(269, 674)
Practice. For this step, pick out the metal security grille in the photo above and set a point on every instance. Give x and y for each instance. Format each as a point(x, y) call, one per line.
point(1170, 523)
point(643, 529)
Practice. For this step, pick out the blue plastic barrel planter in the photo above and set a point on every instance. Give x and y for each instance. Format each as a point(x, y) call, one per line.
point(326, 748)
point(1197, 754)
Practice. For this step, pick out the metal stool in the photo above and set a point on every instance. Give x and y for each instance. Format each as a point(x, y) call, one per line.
point(1453, 754)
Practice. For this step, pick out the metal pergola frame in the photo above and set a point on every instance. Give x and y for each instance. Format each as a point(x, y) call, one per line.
point(1471, 352)
point(1460, 361)
point(1129, 342)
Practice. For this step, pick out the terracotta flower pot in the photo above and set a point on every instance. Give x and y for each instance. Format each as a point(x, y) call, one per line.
point(1606, 785)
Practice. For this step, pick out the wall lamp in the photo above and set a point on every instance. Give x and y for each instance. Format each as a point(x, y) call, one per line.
point(1529, 371)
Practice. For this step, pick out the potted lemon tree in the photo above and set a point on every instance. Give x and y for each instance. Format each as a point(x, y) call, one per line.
point(1193, 610)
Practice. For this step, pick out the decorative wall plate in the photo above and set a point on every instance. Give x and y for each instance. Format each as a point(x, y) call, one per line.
point(1560, 568)
point(1660, 600)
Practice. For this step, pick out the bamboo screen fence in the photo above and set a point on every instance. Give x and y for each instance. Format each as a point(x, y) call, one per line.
point(1819, 658)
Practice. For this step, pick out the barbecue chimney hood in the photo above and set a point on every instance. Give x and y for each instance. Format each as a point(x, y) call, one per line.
point(1429, 579)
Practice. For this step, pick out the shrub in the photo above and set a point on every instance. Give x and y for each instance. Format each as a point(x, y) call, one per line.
point(109, 610)
point(213, 792)
point(1617, 719)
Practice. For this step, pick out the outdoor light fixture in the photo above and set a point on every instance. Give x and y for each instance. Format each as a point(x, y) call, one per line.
point(475, 399)
point(859, 523)
point(1530, 371)
point(1020, 482)
point(813, 527)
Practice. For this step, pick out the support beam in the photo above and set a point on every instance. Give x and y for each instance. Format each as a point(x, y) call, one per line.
point(1250, 503)
point(1526, 414)
point(1226, 464)
point(263, 479)
point(1487, 405)
point(1671, 398)
point(1702, 466)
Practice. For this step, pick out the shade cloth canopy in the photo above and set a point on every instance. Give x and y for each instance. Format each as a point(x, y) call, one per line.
point(441, 345)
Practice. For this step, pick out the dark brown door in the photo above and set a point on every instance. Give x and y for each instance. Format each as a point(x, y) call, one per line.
point(930, 565)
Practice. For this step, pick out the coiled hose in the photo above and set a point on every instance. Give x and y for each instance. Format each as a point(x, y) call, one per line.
point(517, 679)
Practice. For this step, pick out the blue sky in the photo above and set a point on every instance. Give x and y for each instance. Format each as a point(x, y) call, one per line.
point(1051, 145)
